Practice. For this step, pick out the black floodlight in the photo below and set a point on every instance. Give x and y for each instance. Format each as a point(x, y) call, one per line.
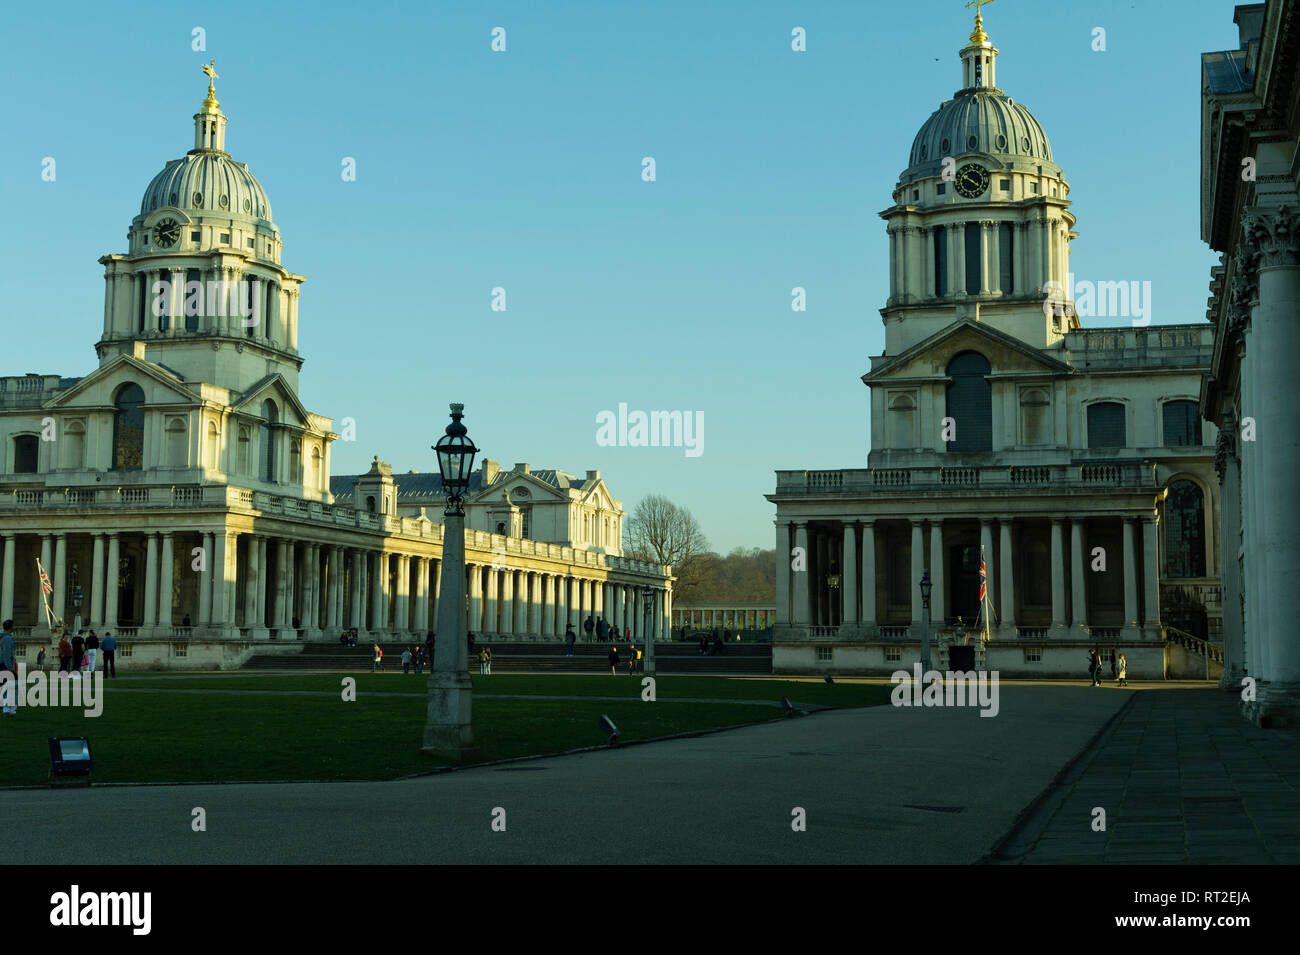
point(70, 759)
point(610, 730)
point(827, 678)
point(789, 707)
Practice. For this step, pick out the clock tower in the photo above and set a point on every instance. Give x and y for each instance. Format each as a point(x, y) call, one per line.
point(980, 228)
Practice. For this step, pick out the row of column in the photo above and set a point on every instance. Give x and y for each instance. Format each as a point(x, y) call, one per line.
point(132, 295)
point(724, 617)
point(1035, 252)
point(858, 585)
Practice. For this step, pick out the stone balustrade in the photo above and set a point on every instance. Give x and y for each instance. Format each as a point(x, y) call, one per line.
point(1136, 475)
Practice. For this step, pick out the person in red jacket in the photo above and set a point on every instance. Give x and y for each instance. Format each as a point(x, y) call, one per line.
point(65, 653)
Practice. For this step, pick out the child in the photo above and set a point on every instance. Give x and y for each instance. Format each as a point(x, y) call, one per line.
point(40, 659)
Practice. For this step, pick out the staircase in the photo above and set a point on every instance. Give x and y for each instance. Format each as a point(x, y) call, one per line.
point(681, 658)
point(1188, 656)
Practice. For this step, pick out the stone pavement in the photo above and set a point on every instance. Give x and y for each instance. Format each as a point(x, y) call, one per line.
point(1183, 777)
point(878, 785)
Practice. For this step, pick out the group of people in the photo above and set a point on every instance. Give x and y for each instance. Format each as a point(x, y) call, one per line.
point(601, 628)
point(1118, 667)
point(348, 638)
point(81, 654)
point(710, 648)
point(633, 659)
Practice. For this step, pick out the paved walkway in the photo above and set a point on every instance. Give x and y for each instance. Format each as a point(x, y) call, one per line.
point(1183, 778)
point(878, 785)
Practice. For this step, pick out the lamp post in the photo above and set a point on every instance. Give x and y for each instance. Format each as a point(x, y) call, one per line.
point(648, 599)
point(77, 598)
point(926, 587)
point(448, 728)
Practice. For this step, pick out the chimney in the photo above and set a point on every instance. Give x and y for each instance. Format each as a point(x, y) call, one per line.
point(490, 471)
point(593, 475)
point(522, 468)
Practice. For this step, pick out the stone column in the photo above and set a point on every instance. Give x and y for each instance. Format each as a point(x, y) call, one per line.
point(914, 582)
point(205, 583)
point(954, 233)
point(476, 598)
point(1058, 575)
point(254, 585)
point(421, 622)
point(986, 553)
point(1253, 606)
point(110, 584)
point(506, 601)
point(263, 563)
point(221, 573)
point(575, 606)
point(491, 602)
point(938, 585)
point(849, 586)
point(294, 608)
point(60, 575)
point(987, 281)
point(402, 603)
point(548, 605)
point(311, 619)
point(1151, 576)
point(529, 619)
point(383, 588)
point(7, 587)
point(1225, 463)
point(1078, 591)
point(165, 584)
point(356, 617)
point(281, 609)
point(150, 582)
point(1131, 579)
point(783, 572)
point(435, 585)
point(1007, 575)
point(869, 574)
point(96, 585)
point(666, 617)
point(802, 578)
point(1275, 327)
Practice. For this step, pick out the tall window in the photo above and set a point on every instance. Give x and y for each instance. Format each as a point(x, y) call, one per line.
point(176, 450)
point(1106, 427)
point(74, 445)
point(266, 442)
point(940, 260)
point(128, 429)
point(295, 461)
point(1034, 408)
point(973, 258)
point(970, 402)
point(1006, 257)
point(313, 476)
point(163, 298)
point(26, 453)
point(1184, 530)
point(902, 422)
point(242, 454)
point(193, 299)
point(527, 514)
point(214, 446)
point(1182, 420)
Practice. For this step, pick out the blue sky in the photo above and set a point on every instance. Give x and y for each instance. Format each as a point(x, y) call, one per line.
point(522, 170)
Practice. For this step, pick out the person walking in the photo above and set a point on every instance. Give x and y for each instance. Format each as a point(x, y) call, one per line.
point(406, 660)
point(9, 662)
point(1094, 666)
point(488, 651)
point(40, 660)
point(602, 629)
point(419, 660)
point(613, 661)
point(92, 651)
point(482, 662)
point(78, 652)
point(109, 646)
point(569, 637)
point(379, 660)
point(1123, 670)
point(65, 652)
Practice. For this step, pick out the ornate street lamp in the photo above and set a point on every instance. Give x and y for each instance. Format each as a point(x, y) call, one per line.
point(926, 587)
point(448, 728)
point(648, 599)
point(77, 598)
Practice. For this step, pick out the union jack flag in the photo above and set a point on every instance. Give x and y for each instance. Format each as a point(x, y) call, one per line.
point(45, 578)
point(983, 577)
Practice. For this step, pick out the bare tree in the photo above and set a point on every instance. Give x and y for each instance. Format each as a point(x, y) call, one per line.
point(664, 533)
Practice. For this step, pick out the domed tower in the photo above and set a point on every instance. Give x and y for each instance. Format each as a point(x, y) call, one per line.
point(201, 289)
point(980, 226)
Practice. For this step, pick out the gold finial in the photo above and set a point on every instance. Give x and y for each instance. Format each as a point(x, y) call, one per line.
point(979, 36)
point(210, 70)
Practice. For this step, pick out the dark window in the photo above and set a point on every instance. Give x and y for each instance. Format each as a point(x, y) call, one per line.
point(940, 260)
point(970, 402)
point(193, 288)
point(164, 299)
point(1182, 424)
point(1106, 425)
point(142, 286)
point(26, 453)
point(527, 529)
point(1006, 257)
point(128, 429)
point(252, 303)
point(370, 505)
point(266, 442)
point(941, 189)
point(972, 258)
point(1184, 530)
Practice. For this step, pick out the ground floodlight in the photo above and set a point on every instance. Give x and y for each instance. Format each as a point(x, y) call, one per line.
point(609, 729)
point(70, 760)
point(827, 678)
point(789, 707)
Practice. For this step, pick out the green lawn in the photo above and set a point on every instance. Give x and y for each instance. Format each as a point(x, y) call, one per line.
point(204, 737)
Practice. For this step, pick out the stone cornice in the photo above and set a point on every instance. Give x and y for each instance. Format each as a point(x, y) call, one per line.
point(1274, 234)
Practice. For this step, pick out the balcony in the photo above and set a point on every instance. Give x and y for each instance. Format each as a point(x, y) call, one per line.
point(1081, 476)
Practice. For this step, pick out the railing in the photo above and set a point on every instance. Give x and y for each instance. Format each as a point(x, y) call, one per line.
point(1136, 475)
point(1031, 475)
point(1032, 633)
point(965, 477)
point(1101, 474)
point(892, 477)
point(824, 478)
point(1104, 633)
point(824, 631)
point(894, 633)
point(1193, 643)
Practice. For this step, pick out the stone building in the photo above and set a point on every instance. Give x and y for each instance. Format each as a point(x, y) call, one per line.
point(1250, 212)
point(1072, 458)
point(184, 490)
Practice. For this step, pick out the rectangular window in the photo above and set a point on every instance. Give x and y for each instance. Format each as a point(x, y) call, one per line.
point(1033, 187)
point(1182, 422)
point(893, 654)
point(196, 235)
point(1106, 425)
point(1033, 654)
point(973, 258)
point(940, 260)
point(225, 237)
point(941, 189)
point(1006, 257)
point(1005, 185)
point(824, 654)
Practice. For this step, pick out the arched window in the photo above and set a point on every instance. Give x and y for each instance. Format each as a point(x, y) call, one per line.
point(370, 504)
point(176, 450)
point(1033, 416)
point(970, 402)
point(314, 477)
point(1184, 530)
point(74, 445)
point(1106, 427)
point(214, 446)
point(1182, 421)
point(501, 528)
point(295, 461)
point(242, 455)
point(27, 448)
point(902, 422)
point(128, 428)
point(266, 441)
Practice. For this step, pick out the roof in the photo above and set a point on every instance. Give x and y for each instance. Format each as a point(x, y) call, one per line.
point(419, 485)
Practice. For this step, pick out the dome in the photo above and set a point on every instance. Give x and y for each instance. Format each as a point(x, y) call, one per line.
point(983, 121)
point(208, 181)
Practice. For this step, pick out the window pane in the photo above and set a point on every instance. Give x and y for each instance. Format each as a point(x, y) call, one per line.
point(1184, 531)
point(1106, 425)
point(1182, 422)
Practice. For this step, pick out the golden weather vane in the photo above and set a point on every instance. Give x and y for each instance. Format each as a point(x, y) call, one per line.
point(978, 36)
point(209, 69)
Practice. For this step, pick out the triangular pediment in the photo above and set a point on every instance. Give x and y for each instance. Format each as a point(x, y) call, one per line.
point(929, 358)
point(99, 387)
point(277, 389)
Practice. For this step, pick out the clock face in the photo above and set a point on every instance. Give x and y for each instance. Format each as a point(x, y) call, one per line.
point(972, 180)
point(166, 233)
